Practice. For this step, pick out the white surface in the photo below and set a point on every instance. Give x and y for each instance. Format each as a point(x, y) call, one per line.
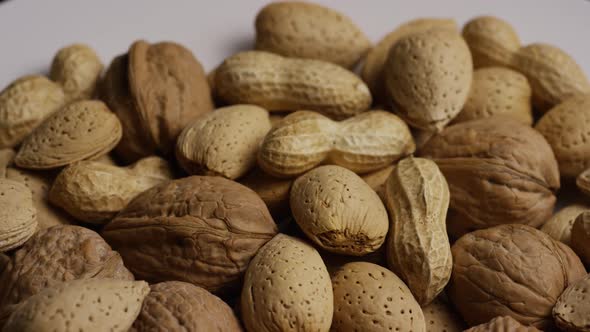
point(32, 30)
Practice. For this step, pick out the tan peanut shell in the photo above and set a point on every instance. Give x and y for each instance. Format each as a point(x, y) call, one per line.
point(77, 69)
point(277, 83)
point(565, 128)
point(439, 316)
point(428, 77)
point(553, 74)
point(368, 297)
point(583, 182)
point(287, 288)
point(224, 142)
point(492, 41)
point(503, 324)
point(377, 56)
point(24, 104)
point(81, 305)
point(418, 248)
point(580, 241)
point(18, 216)
point(364, 143)
point(572, 310)
point(81, 130)
point(310, 31)
point(273, 191)
point(498, 91)
point(559, 226)
point(95, 192)
point(338, 211)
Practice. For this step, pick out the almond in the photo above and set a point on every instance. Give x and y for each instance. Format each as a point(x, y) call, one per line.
point(572, 310)
point(18, 216)
point(77, 69)
point(428, 76)
point(560, 225)
point(310, 31)
point(492, 41)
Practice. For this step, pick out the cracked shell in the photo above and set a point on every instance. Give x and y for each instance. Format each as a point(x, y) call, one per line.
point(18, 216)
point(572, 310)
point(82, 130)
point(180, 306)
point(559, 226)
point(24, 104)
point(77, 69)
point(513, 270)
point(492, 41)
point(503, 324)
point(200, 229)
point(81, 305)
point(287, 288)
point(338, 211)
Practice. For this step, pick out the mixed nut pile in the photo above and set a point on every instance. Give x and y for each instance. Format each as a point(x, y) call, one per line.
point(284, 192)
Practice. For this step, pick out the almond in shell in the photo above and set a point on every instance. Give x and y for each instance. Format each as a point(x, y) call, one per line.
point(492, 41)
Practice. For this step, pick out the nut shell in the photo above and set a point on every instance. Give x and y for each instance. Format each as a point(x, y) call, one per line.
point(583, 182)
point(77, 69)
point(559, 226)
point(503, 324)
point(581, 237)
point(492, 41)
point(441, 317)
point(200, 229)
point(572, 310)
point(18, 216)
point(273, 191)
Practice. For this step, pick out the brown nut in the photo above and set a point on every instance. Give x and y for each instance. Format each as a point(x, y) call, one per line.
point(368, 297)
point(307, 30)
point(287, 288)
point(512, 270)
point(492, 41)
point(338, 211)
point(499, 171)
point(18, 216)
point(155, 90)
point(497, 90)
point(427, 77)
point(502, 324)
point(572, 310)
point(583, 182)
point(273, 191)
point(95, 192)
point(224, 142)
point(200, 229)
point(559, 226)
point(77, 69)
point(82, 130)
point(565, 128)
point(581, 237)
point(6, 160)
point(376, 180)
point(56, 255)
point(24, 104)
point(441, 317)
point(180, 306)
point(81, 305)
point(418, 248)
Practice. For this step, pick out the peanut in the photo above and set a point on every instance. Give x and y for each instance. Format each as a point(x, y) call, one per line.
point(77, 69)
point(492, 41)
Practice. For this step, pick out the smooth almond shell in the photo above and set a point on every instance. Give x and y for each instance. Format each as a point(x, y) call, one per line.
point(18, 216)
point(559, 226)
point(287, 288)
point(580, 240)
point(492, 41)
point(572, 310)
point(81, 130)
point(81, 305)
point(310, 31)
point(368, 297)
point(565, 128)
point(498, 91)
point(553, 74)
point(503, 324)
point(277, 83)
point(24, 104)
point(440, 316)
point(224, 142)
point(428, 77)
point(77, 69)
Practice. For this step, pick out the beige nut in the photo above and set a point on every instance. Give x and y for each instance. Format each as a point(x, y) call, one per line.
point(428, 77)
point(278, 83)
point(553, 74)
point(18, 216)
point(440, 316)
point(24, 104)
point(368, 297)
point(503, 324)
point(377, 56)
point(77, 69)
point(580, 240)
point(273, 191)
point(376, 180)
point(310, 31)
point(95, 192)
point(364, 143)
point(498, 91)
point(560, 225)
point(492, 41)
point(6, 160)
point(81, 305)
point(572, 310)
point(565, 128)
point(418, 248)
point(82, 130)
point(338, 211)
point(287, 288)
point(224, 142)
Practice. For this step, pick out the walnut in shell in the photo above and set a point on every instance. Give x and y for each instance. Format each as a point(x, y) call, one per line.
point(503, 324)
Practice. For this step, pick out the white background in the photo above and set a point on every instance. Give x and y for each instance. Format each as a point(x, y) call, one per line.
point(32, 30)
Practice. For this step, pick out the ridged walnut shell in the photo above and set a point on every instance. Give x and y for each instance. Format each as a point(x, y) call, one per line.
point(503, 324)
point(512, 270)
point(200, 229)
point(499, 172)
